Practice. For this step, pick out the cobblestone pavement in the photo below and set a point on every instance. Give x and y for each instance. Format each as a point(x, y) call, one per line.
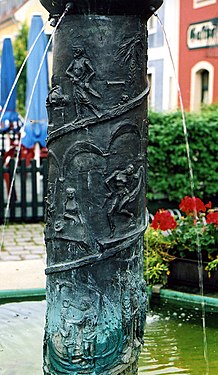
point(22, 242)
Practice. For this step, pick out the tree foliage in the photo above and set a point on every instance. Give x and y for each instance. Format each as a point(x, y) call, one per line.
point(168, 174)
point(20, 53)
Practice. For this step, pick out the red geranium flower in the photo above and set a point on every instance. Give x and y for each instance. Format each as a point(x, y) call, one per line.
point(212, 218)
point(192, 205)
point(163, 220)
point(208, 205)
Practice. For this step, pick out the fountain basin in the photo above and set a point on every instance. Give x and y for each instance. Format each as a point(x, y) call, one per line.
point(173, 339)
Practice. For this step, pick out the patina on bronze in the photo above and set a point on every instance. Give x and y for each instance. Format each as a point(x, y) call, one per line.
point(97, 142)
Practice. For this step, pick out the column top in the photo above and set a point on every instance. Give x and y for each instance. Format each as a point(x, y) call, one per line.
point(103, 7)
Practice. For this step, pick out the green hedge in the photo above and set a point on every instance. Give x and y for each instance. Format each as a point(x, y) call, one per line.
point(168, 172)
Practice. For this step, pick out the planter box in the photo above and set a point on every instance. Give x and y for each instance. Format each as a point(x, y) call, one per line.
point(185, 272)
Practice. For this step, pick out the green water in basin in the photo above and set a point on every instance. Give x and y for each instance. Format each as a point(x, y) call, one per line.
point(173, 340)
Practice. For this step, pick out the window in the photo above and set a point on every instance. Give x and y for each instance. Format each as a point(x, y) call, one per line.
point(202, 79)
point(203, 3)
point(151, 83)
point(150, 92)
point(204, 86)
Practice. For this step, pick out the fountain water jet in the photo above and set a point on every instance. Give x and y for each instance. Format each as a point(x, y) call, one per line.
point(95, 220)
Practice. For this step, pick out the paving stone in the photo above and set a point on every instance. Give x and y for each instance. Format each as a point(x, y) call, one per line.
point(22, 254)
point(38, 238)
point(39, 250)
point(31, 256)
point(8, 257)
point(24, 242)
point(7, 243)
point(11, 249)
point(10, 231)
point(9, 237)
point(33, 247)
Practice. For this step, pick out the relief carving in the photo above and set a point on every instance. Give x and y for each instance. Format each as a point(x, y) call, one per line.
point(56, 96)
point(70, 224)
point(122, 192)
point(56, 101)
point(82, 336)
point(130, 51)
point(71, 207)
point(81, 72)
point(117, 198)
point(78, 329)
point(124, 105)
point(134, 302)
point(50, 206)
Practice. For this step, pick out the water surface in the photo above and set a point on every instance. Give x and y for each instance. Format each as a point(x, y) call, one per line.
point(173, 340)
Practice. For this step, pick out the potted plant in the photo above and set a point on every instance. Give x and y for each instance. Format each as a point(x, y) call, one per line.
point(190, 242)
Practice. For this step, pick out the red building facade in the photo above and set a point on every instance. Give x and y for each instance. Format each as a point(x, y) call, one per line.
point(198, 60)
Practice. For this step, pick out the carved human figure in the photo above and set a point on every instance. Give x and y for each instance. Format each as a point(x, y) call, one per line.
point(122, 192)
point(55, 98)
point(79, 324)
point(71, 207)
point(135, 313)
point(89, 335)
point(126, 315)
point(81, 72)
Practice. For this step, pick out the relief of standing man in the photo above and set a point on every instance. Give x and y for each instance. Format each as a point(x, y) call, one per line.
point(81, 72)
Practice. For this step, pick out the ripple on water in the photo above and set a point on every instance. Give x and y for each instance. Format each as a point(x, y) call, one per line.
point(160, 353)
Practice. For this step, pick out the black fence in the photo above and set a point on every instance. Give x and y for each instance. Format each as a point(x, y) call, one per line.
point(27, 199)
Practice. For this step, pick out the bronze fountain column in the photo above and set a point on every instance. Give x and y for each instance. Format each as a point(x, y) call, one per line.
point(97, 141)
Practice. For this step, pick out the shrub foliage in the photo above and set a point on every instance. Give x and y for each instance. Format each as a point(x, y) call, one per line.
point(168, 173)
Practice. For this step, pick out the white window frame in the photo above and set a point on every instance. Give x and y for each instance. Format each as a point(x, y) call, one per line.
point(195, 88)
point(151, 71)
point(202, 3)
point(152, 30)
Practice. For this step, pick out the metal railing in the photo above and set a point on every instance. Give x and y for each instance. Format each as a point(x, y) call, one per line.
point(27, 202)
